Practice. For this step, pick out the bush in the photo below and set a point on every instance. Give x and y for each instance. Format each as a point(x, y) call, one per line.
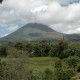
point(58, 64)
point(63, 74)
point(3, 51)
point(48, 74)
point(18, 45)
point(73, 61)
point(76, 77)
point(30, 75)
point(57, 50)
point(14, 69)
point(2, 65)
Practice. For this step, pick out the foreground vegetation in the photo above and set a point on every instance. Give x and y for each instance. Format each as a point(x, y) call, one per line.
point(40, 61)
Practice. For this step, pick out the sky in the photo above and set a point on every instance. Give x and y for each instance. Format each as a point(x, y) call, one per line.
point(60, 15)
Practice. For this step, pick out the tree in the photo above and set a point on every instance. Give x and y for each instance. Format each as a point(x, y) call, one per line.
point(57, 50)
point(18, 45)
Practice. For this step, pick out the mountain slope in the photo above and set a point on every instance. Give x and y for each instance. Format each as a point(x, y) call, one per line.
point(32, 31)
point(73, 37)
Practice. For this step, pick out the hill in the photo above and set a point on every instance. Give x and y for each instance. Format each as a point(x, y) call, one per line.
point(73, 37)
point(32, 31)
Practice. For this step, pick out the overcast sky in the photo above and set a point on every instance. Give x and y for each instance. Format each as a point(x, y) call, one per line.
point(60, 15)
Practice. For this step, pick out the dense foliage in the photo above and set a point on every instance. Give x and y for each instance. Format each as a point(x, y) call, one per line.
point(40, 61)
point(3, 51)
point(61, 49)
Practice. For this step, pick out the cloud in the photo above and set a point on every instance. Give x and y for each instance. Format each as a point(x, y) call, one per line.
point(12, 28)
point(61, 15)
point(61, 18)
point(73, 31)
point(40, 9)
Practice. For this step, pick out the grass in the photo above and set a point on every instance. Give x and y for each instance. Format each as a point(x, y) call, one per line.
point(42, 58)
point(41, 63)
point(38, 63)
point(3, 58)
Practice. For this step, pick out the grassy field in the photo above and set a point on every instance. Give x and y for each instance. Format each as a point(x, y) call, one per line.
point(41, 63)
point(38, 64)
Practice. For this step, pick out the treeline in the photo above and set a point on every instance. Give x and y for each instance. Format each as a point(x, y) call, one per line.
point(61, 49)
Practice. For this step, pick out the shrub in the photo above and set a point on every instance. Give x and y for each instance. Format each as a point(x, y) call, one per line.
point(14, 69)
point(57, 50)
point(63, 74)
point(58, 64)
point(2, 65)
point(73, 61)
point(30, 75)
point(47, 74)
point(3, 51)
point(18, 45)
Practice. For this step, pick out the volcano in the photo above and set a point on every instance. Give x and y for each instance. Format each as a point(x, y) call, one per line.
point(31, 32)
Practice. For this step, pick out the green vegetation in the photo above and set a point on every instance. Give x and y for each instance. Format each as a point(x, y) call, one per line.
point(40, 61)
point(3, 51)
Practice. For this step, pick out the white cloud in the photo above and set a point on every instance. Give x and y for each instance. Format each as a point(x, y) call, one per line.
point(75, 31)
point(40, 9)
point(12, 28)
point(64, 19)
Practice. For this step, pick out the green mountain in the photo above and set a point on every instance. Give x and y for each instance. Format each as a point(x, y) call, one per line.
point(35, 31)
point(73, 37)
point(32, 31)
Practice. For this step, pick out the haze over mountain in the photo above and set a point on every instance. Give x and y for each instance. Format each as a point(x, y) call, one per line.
point(35, 31)
point(32, 31)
